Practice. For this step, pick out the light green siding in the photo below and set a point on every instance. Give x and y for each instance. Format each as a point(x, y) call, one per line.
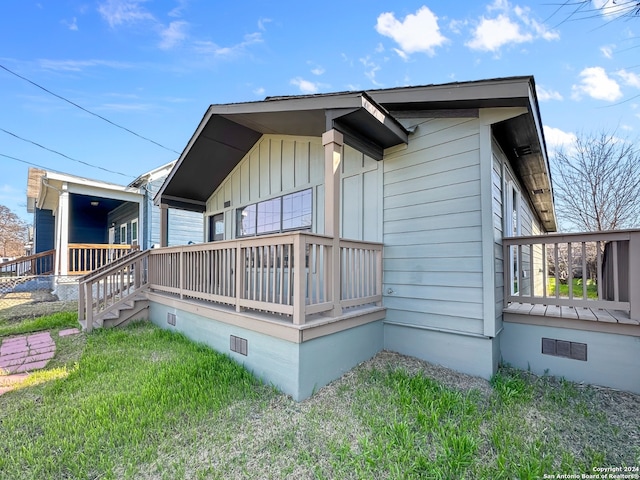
point(278, 164)
point(432, 227)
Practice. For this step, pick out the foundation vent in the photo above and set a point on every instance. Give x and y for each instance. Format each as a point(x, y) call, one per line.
point(564, 348)
point(171, 319)
point(239, 345)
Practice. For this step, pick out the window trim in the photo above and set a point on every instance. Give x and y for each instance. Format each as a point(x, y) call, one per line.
point(135, 241)
point(255, 233)
point(123, 238)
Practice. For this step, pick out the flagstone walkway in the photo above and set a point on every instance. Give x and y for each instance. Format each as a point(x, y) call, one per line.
point(20, 355)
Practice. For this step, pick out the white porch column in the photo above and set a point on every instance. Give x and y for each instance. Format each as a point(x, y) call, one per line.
point(333, 142)
point(62, 250)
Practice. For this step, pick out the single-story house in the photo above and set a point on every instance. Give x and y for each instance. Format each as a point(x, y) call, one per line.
point(341, 224)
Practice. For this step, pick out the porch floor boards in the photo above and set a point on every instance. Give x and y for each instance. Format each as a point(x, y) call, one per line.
point(575, 313)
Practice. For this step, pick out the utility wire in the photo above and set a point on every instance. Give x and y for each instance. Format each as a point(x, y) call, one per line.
point(62, 154)
point(24, 161)
point(87, 111)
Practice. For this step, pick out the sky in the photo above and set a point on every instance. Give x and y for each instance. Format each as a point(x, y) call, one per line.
point(110, 89)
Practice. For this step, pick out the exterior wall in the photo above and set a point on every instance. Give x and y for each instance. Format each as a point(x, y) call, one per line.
point(44, 222)
point(498, 160)
point(432, 236)
point(279, 164)
point(120, 216)
point(611, 359)
point(297, 369)
point(86, 226)
point(183, 227)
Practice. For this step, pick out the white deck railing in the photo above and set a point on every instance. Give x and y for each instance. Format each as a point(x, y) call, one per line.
point(604, 265)
point(288, 274)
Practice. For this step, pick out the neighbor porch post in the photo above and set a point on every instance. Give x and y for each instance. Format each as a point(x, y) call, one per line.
point(333, 142)
point(62, 251)
point(164, 224)
point(634, 275)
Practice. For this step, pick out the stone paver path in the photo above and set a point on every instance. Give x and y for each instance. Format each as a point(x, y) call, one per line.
point(26, 353)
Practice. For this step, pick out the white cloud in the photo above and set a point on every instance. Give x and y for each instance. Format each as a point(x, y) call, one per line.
point(173, 35)
point(629, 78)
point(305, 86)
point(371, 69)
point(510, 26)
point(210, 48)
point(557, 139)
point(71, 25)
point(607, 51)
point(418, 32)
point(317, 71)
point(595, 83)
point(613, 8)
point(120, 12)
point(262, 23)
point(259, 91)
point(544, 95)
point(79, 65)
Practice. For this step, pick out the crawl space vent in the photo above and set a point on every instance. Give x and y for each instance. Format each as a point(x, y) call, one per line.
point(564, 348)
point(239, 345)
point(171, 319)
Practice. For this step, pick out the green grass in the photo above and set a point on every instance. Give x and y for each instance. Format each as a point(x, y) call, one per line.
point(111, 410)
point(141, 402)
point(592, 288)
point(55, 321)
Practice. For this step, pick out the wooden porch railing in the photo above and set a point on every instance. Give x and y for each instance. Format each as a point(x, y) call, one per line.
point(597, 270)
point(87, 257)
point(287, 274)
point(109, 287)
point(39, 264)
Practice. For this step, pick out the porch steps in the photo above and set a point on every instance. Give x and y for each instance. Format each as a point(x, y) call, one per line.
point(135, 308)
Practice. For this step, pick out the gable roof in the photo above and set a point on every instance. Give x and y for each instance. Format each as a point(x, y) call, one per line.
point(369, 122)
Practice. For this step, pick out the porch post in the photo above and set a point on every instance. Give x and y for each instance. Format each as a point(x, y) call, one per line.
point(634, 275)
point(62, 251)
point(164, 224)
point(333, 142)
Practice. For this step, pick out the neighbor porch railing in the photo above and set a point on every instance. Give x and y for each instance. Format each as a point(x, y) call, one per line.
point(87, 257)
point(38, 264)
point(592, 270)
point(289, 274)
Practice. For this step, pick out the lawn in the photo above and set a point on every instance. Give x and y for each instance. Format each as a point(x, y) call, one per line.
point(142, 403)
point(592, 288)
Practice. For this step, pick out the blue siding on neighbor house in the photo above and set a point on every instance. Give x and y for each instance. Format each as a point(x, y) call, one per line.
point(44, 228)
point(86, 225)
point(123, 215)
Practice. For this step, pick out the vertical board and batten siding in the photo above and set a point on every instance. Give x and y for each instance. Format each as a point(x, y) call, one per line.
point(432, 228)
point(277, 165)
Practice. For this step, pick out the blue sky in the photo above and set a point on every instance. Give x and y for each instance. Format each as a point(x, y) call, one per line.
point(155, 66)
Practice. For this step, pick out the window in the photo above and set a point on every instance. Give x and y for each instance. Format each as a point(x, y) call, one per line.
point(123, 234)
point(216, 227)
point(134, 231)
point(512, 229)
point(289, 212)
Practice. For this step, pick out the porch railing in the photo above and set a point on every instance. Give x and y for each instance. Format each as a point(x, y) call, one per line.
point(592, 270)
point(87, 257)
point(39, 264)
point(109, 287)
point(288, 274)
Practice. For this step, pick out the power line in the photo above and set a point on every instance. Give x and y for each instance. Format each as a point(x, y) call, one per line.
point(24, 161)
point(87, 111)
point(62, 154)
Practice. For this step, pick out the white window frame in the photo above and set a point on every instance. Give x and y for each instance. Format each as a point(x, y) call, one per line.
point(123, 237)
point(134, 241)
point(512, 202)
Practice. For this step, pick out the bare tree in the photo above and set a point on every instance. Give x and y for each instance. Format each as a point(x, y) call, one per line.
point(597, 183)
point(13, 233)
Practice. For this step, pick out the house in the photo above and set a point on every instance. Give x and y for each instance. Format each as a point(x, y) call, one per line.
point(413, 219)
point(82, 224)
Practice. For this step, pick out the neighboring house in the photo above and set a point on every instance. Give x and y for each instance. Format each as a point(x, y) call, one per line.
point(338, 225)
point(88, 223)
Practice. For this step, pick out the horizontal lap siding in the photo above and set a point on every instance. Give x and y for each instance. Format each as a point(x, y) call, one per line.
point(432, 228)
point(497, 205)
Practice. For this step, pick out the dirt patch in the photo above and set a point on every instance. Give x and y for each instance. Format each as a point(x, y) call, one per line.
point(22, 305)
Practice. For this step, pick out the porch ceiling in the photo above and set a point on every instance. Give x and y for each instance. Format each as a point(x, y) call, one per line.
point(227, 133)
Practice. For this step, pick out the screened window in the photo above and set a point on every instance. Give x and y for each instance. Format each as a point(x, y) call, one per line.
point(216, 227)
point(123, 234)
point(289, 212)
point(134, 232)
